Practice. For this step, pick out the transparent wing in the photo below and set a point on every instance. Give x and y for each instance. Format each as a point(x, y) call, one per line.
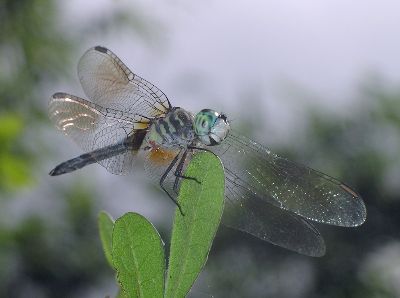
point(255, 170)
point(92, 127)
point(247, 213)
point(107, 81)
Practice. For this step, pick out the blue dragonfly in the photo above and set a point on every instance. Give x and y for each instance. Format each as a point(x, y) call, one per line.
point(128, 118)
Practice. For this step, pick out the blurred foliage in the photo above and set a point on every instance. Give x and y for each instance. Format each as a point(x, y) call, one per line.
point(40, 258)
point(14, 172)
point(33, 52)
point(44, 259)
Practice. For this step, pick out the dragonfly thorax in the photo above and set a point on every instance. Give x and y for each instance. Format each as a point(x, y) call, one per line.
point(173, 130)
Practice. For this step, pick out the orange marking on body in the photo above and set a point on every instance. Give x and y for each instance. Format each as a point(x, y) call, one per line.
point(162, 156)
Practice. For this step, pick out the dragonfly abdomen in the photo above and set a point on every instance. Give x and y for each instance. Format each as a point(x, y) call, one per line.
point(88, 158)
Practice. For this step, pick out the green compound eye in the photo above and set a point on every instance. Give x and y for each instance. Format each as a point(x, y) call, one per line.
point(204, 121)
point(211, 127)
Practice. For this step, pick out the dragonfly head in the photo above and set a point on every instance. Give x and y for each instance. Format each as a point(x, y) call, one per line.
point(211, 127)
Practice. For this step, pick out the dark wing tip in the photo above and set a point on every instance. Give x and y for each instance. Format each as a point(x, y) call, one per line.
point(101, 49)
point(59, 95)
point(349, 190)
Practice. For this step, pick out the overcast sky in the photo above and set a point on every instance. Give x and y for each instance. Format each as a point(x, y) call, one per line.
point(327, 47)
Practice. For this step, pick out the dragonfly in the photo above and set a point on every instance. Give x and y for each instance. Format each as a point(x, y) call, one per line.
point(127, 118)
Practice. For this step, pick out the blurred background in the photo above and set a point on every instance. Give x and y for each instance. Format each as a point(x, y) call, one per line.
point(316, 81)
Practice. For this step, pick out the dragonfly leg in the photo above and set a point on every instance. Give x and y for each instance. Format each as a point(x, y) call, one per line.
point(178, 172)
point(162, 180)
point(180, 166)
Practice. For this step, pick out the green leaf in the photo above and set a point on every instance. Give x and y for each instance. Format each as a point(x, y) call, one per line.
point(138, 256)
point(106, 225)
point(193, 233)
point(120, 294)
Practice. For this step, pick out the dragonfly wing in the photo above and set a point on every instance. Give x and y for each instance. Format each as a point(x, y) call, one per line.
point(246, 212)
point(285, 184)
point(93, 127)
point(107, 81)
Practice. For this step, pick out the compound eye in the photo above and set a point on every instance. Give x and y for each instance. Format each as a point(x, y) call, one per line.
point(211, 127)
point(203, 122)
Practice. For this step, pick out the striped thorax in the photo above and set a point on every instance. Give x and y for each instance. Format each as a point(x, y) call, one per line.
point(172, 131)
